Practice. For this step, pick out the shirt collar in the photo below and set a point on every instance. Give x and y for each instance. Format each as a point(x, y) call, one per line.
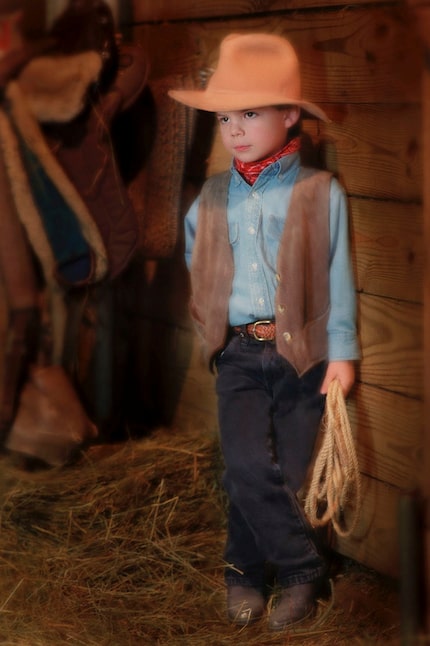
point(279, 169)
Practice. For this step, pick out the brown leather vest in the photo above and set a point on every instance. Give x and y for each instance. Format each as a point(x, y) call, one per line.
point(302, 299)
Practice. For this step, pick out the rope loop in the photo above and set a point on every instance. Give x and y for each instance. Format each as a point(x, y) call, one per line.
point(335, 483)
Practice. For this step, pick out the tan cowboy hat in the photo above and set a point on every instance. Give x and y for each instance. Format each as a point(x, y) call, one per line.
point(254, 70)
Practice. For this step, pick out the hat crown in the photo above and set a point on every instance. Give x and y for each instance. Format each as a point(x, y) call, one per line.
point(254, 70)
point(253, 63)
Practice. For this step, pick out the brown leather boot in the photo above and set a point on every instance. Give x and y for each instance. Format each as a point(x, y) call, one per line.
point(295, 603)
point(244, 604)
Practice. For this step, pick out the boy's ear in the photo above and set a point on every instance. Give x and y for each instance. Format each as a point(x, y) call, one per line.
point(292, 115)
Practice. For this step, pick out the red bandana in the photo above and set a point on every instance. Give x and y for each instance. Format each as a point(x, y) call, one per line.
point(251, 170)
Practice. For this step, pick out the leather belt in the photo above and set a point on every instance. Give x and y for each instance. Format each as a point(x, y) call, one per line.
point(259, 330)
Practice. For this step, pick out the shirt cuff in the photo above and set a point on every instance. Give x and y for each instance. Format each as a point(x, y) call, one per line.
point(343, 346)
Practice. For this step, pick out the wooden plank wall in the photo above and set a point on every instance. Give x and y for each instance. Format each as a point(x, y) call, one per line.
point(362, 63)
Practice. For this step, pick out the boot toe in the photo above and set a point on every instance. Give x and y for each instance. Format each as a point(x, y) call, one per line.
point(295, 604)
point(244, 604)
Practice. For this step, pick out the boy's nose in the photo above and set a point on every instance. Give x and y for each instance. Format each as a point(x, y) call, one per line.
point(236, 129)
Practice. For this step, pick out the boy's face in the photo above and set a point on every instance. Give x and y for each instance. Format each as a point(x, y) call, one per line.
point(254, 134)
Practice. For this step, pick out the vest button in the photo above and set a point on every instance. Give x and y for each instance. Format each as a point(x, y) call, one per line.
point(287, 336)
point(281, 309)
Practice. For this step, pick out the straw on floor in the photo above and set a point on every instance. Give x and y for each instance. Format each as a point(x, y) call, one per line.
point(124, 548)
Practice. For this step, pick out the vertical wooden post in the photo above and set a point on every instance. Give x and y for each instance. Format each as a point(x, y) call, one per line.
point(426, 213)
point(426, 149)
point(421, 9)
point(421, 12)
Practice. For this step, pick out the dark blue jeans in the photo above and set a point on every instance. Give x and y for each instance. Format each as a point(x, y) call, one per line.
point(269, 419)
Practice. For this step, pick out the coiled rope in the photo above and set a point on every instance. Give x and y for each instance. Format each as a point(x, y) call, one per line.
point(335, 482)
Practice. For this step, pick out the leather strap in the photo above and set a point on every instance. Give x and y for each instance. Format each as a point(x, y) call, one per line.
point(259, 330)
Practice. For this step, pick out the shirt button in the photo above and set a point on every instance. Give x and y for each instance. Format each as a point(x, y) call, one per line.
point(251, 230)
point(287, 336)
point(261, 301)
point(254, 266)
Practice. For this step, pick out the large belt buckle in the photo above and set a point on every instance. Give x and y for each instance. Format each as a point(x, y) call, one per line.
point(254, 331)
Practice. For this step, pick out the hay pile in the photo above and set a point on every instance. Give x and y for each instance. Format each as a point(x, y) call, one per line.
point(125, 548)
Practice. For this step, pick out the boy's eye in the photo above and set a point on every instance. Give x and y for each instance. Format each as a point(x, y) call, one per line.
point(249, 114)
point(222, 119)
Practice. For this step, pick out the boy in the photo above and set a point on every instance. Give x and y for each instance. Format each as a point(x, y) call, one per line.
point(274, 301)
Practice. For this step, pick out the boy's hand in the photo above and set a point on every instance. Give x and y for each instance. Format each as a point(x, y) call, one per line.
point(344, 371)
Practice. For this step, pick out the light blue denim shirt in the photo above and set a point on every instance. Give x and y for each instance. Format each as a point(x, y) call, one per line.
point(256, 218)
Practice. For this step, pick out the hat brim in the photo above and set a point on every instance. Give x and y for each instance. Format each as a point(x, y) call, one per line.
point(211, 101)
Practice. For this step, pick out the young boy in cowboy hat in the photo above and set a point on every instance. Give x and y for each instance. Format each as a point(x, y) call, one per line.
point(274, 301)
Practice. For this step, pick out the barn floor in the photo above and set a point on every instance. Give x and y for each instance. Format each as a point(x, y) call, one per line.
point(123, 548)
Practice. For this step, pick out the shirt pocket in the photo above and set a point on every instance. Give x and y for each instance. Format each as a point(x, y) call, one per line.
point(233, 233)
point(273, 233)
point(274, 228)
